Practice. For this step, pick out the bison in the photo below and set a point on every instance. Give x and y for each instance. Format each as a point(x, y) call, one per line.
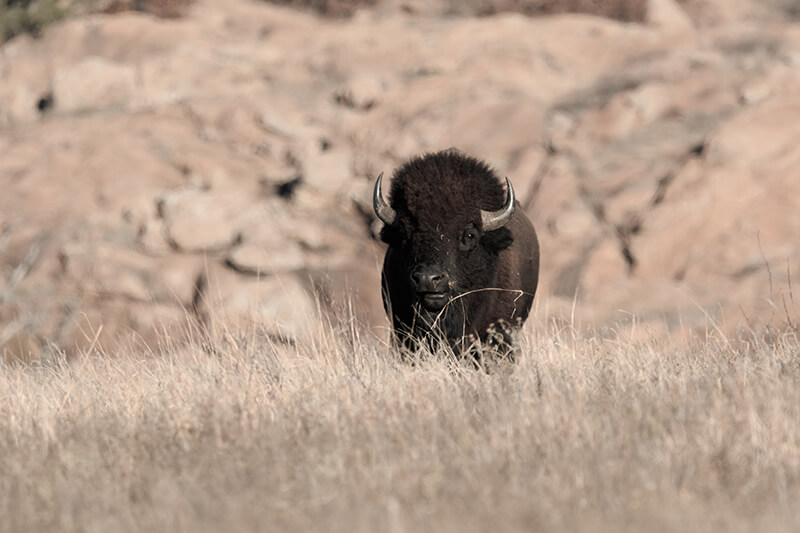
point(462, 262)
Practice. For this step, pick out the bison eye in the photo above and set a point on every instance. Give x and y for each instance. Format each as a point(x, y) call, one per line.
point(469, 238)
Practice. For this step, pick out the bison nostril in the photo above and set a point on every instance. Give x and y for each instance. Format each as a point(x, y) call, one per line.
point(420, 277)
point(429, 280)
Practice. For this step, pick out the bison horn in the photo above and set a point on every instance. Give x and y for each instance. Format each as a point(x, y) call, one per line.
point(493, 220)
point(382, 209)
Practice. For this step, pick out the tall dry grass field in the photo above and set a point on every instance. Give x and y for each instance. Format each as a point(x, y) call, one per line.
point(584, 433)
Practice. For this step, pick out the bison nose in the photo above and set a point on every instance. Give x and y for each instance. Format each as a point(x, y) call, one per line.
point(429, 279)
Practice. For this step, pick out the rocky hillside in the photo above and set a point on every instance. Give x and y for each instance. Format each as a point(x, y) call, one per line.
point(216, 168)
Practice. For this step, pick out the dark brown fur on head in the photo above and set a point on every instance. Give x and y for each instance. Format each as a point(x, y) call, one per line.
point(432, 189)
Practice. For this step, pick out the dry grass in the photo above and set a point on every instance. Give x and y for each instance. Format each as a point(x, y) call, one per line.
point(585, 432)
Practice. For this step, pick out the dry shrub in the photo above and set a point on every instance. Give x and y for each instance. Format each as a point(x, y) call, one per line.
point(159, 8)
point(329, 8)
point(31, 17)
point(23, 16)
point(624, 10)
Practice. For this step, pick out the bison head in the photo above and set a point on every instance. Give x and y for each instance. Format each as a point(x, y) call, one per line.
point(445, 225)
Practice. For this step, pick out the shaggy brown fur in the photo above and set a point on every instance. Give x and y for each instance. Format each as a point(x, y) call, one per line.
point(488, 278)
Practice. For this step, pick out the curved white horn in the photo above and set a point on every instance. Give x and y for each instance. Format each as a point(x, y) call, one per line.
point(492, 220)
point(382, 209)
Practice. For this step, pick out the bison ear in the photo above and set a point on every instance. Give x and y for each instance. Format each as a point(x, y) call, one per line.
point(392, 235)
point(498, 239)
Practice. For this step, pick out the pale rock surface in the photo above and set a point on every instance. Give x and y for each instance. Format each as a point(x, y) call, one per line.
point(215, 171)
point(280, 305)
point(256, 258)
point(363, 92)
point(199, 220)
point(94, 84)
point(668, 16)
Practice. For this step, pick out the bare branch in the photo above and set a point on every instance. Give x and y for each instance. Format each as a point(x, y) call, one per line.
point(22, 269)
point(5, 238)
